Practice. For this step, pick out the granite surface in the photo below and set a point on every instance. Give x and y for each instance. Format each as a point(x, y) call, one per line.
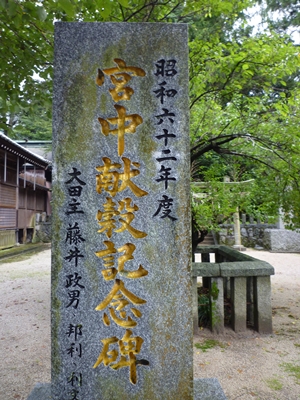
point(282, 240)
point(204, 389)
point(121, 285)
point(41, 391)
point(208, 389)
point(233, 268)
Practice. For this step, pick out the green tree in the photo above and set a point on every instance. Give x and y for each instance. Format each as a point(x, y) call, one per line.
point(27, 30)
point(32, 125)
point(244, 95)
point(283, 16)
point(244, 88)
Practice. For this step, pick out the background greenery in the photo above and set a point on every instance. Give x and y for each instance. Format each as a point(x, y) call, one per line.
point(244, 91)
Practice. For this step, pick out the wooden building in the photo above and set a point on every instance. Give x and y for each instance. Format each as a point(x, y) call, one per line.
point(25, 186)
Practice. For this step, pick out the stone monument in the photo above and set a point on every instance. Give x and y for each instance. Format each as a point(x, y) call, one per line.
point(121, 284)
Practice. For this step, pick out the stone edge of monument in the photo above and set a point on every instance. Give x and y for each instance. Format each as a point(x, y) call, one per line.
point(41, 391)
point(204, 389)
point(208, 389)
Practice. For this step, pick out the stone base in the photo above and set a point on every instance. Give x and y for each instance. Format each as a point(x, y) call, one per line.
point(41, 391)
point(239, 247)
point(204, 389)
point(208, 389)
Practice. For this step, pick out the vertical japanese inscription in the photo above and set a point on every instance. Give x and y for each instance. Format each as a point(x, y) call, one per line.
point(116, 215)
point(120, 270)
point(74, 283)
point(165, 73)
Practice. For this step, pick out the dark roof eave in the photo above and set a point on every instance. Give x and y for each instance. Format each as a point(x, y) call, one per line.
point(14, 148)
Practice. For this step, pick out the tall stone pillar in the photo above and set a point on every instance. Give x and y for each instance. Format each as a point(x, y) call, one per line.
point(121, 286)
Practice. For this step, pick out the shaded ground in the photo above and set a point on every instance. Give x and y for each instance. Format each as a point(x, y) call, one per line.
point(248, 366)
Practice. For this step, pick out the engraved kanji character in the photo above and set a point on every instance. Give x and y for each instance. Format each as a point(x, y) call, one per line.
point(108, 180)
point(107, 222)
point(121, 92)
point(165, 156)
point(75, 330)
point(120, 76)
point(74, 394)
point(73, 208)
point(162, 92)
point(74, 298)
point(128, 218)
point(75, 379)
point(74, 254)
point(73, 280)
point(74, 235)
point(165, 68)
point(165, 176)
point(165, 205)
point(74, 176)
point(105, 219)
point(165, 136)
point(166, 114)
point(124, 124)
point(75, 349)
point(108, 258)
point(129, 347)
point(75, 191)
point(119, 297)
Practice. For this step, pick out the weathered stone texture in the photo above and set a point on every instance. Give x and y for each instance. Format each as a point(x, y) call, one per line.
point(239, 300)
point(282, 240)
point(263, 304)
point(84, 109)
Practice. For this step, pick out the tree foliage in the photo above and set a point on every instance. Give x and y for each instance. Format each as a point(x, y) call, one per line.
point(244, 97)
point(283, 16)
point(244, 89)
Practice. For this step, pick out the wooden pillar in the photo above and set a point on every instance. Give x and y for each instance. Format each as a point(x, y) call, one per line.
point(5, 165)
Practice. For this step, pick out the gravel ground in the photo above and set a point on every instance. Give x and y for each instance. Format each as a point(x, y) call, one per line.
point(248, 366)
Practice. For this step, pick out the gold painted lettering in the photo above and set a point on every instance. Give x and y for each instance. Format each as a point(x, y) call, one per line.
point(106, 254)
point(105, 319)
point(124, 124)
point(109, 180)
point(119, 287)
point(105, 219)
point(129, 323)
point(108, 259)
point(106, 356)
point(121, 92)
point(126, 178)
point(108, 223)
point(121, 66)
point(117, 302)
point(100, 78)
point(129, 347)
point(120, 76)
